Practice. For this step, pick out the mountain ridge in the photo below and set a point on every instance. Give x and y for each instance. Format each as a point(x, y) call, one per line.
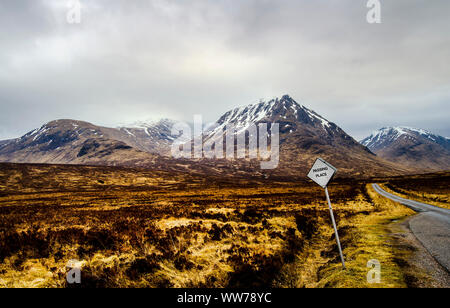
point(410, 146)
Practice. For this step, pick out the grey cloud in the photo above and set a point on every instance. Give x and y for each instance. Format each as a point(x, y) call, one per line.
point(129, 61)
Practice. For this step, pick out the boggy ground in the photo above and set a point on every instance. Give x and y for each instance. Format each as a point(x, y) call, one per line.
point(140, 228)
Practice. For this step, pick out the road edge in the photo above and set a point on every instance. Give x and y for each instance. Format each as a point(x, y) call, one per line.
point(421, 259)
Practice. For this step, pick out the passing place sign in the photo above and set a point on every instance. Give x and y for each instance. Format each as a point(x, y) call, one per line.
point(322, 172)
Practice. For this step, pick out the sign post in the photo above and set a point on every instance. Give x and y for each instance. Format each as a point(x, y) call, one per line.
point(322, 173)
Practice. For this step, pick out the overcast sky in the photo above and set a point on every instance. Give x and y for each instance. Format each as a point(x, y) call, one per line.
point(135, 60)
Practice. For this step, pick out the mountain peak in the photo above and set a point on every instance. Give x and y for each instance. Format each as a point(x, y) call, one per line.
point(410, 146)
point(285, 100)
point(293, 119)
point(286, 97)
point(263, 111)
point(275, 110)
point(147, 123)
point(385, 136)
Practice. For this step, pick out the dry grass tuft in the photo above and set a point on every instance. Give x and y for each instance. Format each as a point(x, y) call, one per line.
point(135, 228)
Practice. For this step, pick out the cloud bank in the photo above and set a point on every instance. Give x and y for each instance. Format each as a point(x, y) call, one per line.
point(146, 59)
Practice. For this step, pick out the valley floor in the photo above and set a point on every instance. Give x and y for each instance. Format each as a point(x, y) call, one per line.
point(140, 228)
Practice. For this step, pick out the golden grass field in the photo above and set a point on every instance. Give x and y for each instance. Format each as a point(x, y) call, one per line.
point(139, 228)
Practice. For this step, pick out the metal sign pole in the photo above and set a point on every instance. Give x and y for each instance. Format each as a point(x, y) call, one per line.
point(335, 228)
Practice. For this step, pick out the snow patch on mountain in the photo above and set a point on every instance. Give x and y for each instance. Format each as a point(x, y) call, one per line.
point(151, 123)
point(387, 135)
point(40, 132)
point(128, 132)
point(285, 108)
point(313, 115)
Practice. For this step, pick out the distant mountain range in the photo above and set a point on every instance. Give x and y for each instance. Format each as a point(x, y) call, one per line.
point(412, 147)
point(304, 136)
point(70, 141)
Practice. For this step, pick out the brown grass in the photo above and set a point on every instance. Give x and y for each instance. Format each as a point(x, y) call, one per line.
point(136, 228)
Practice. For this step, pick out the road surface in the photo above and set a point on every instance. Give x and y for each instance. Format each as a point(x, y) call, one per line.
point(431, 226)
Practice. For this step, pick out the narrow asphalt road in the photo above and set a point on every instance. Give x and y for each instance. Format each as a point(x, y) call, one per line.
point(431, 226)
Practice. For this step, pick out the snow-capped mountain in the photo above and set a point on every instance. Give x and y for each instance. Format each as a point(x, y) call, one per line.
point(149, 136)
point(67, 141)
point(284, 109)
point(60, 141)
point(410, 146)
point(291, 117)
point(150, 124)
point(304, 135)
point(384, 137)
